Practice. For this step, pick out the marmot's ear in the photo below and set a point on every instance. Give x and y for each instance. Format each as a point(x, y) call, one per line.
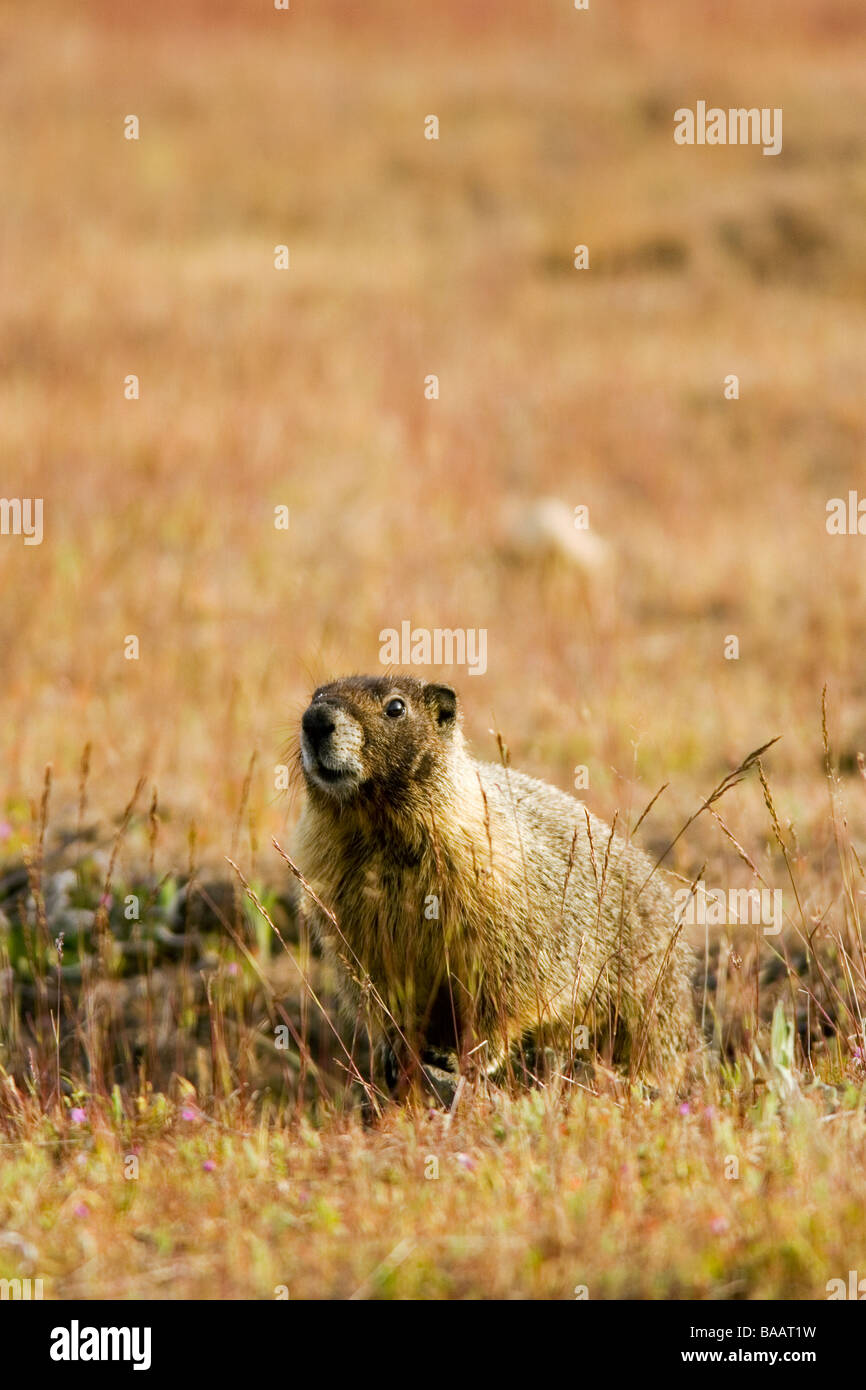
point(442, 701)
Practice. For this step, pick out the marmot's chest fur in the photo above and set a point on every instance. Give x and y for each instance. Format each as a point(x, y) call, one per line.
point(484, 907)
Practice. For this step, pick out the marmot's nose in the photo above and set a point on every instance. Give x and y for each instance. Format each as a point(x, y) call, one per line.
point(317, 723)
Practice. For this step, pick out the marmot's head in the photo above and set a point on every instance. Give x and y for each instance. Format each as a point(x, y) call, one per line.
point(381, 737)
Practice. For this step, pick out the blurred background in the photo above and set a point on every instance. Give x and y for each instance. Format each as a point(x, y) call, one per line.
point(141, 994)
point(305, 388)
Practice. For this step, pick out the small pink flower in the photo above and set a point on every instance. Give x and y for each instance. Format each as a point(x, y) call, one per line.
point(82, 1210)
point(232, 968)
point(466, 1161)
point(187, 1113)
point(208, 1165)
point(718, 1225)
point(5, 831)
point(77, 1115)
point(685, 1108)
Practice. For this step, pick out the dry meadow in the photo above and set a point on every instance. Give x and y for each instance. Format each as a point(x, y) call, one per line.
point(152, 1038)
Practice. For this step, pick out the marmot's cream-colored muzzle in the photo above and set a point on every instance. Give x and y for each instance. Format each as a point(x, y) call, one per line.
point(331, 743)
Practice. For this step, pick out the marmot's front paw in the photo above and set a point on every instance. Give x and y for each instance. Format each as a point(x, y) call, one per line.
point(441, 1085)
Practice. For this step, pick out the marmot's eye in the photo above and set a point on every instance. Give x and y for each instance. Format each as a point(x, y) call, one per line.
point(395, 708)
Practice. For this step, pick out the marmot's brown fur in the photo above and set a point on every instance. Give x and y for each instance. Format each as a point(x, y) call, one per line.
point(487, 909)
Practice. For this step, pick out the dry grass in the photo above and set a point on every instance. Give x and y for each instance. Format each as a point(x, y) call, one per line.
point(630, 1201)
point(306, 388)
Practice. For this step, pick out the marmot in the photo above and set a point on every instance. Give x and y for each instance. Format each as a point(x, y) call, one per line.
point(487, 911)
